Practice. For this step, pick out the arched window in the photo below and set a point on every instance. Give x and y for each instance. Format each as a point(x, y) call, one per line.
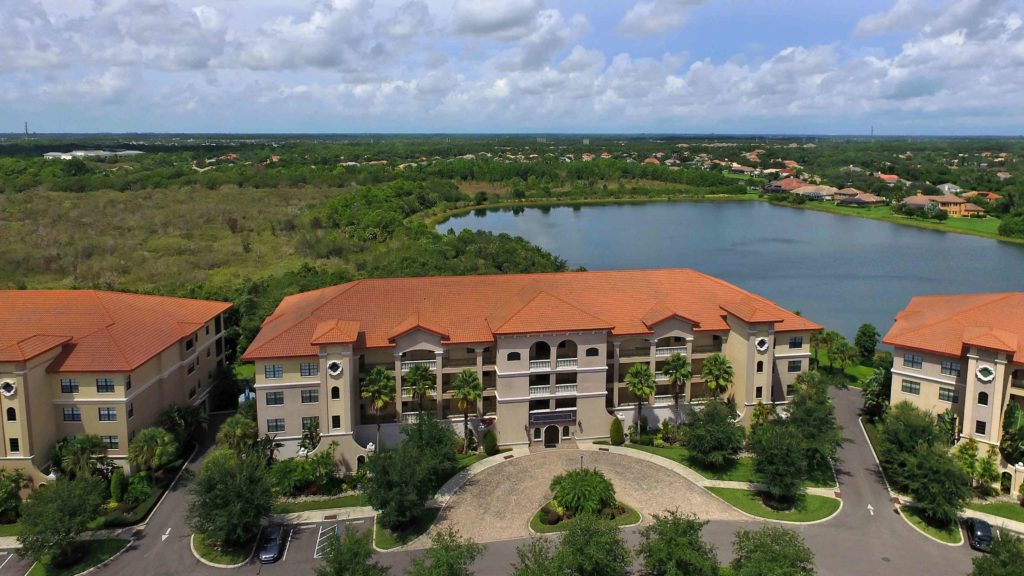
point(565, 432)
point(12, 415)
point(514, 356)
point(591, 352)
point(536, 433)
point(760, 366)
point(335, 393)
point(983, 398)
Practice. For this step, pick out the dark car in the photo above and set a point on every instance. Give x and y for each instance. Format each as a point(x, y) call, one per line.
point(979, 534)
point(272, 544)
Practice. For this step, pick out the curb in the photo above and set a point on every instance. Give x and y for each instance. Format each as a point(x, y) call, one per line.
point(142, 525)
point(929, 536)
point(557, 532)
point(108, 560)
point(791, 522)
point(892, 495)
point(192, 546)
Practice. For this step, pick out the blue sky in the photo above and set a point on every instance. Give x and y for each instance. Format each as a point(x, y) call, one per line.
point(694, 66)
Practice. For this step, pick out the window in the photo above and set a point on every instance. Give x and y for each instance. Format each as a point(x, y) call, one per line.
point(948, 395)
point(15, 445)
point(536, 433)
point(131, 410)
point(911, 360)
point(790, 389)
point(911, 387)
point(794, 366)
point(796, 341)
point(207, 352)
point(220, 346)
point(308, 421)
point(275, 398)
point(72, 414)
point(983, 398)
point(108, 414)
point(272, 371)
point(104, 385)
point(112, 442)
point(275, 425)
point(128, 382)
point(191, 392)
point(310, 396)
point(335, 393)
point(12, 415)
point(760, 366)
point(335, 421)
point(189, 344)
point(514, 356)
point(979, 427)
point(951, 368)
point(191, 367)
point(207, 329)
point(68, 386)
point(592, 352)
point(216, 325)
point(565, 432)
point(759, 392)
point(309, 369)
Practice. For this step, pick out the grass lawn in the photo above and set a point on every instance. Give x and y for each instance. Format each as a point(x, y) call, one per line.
point(742, 469)
point(228, 556)
point(386, 539)
point(813, 507)
point(950, 534)
point(348, 501)
point(853, 373)
point(628, 518)
point(99, 550)
point(245, 372)
point(467, 460)
point(12, 529)
point(1007, 510)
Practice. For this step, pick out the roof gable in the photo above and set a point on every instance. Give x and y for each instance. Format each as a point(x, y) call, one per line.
point(548, 313)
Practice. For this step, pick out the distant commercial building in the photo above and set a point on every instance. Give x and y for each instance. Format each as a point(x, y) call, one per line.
point(90, 154)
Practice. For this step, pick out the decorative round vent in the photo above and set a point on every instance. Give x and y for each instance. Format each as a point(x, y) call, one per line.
point(761, 344)
point(985, 373)
point(7, 389)
point(334, 368)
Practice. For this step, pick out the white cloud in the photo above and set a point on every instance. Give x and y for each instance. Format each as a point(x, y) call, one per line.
point(652, 17)
point(498, 19)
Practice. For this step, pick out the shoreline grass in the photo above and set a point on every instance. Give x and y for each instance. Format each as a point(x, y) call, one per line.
point(385, 539)
point(99, 551)
point(950, 534)
point(627, 518)
point(227, 556)
point(811, 509)
point(347, 501)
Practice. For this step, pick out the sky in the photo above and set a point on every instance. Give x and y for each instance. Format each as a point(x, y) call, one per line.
point(930, 67)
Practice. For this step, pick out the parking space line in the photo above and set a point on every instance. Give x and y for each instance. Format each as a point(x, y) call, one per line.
point(322, 537)
point(9, 555)
point(287, 542)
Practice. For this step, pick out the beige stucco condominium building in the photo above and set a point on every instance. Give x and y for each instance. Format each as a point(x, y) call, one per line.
point(963, 353)
point(76, 362)
point(552, 351)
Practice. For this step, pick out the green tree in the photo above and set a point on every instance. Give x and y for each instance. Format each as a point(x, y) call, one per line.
point(230, 497)
point(866, 342)
point(536, 558)
point(616, 435)
point(813, 417)
point(467, 389)
point(310, 436)
point(771, 550)
point(939, 488)
point(434, 442)
point(830, 342)
point(583, 491)
point(988, 471)
point(875, 394)
point(712, 437)
point(54, 517)
point(1012, 441)
point(184, 422)
point(717, 373)
point(640, 382)
point(12, 482)
point(1003, 559)
point(677, 369)
point(83, 456)
point(907, 428)
point(152, 449)
point(422, 381)
point(592, 546)
point(966, 457)
point(779, 461)
point(946, 425)
point(238, 433)
point(450, 554)
point(350, 555)
point(379, 389)
point(672, 546)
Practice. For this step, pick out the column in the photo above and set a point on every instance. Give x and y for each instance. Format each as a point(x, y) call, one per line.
point(439, 383)
point(615, 375)
point(653, 364)
point(689, 354)
point(398, 386)
point(480, 375)
point(970, 393)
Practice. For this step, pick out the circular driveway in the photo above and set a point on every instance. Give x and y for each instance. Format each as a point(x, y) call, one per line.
point(497, 503)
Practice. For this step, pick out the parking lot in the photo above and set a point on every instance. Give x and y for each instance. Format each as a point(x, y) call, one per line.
point(12, 565)
point(304, 547)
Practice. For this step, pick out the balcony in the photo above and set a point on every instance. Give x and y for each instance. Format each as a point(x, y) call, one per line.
point(542, 390)
point(410, 417)
point(540, 364)
point(707, 349)
point(407, 392)
point(545, 390)
point(663, 401)
point(553, 417)
point(566, 363)
point(1017, 383)
point(635, 352)
point(407, 364)
point(669, 350)
point(565, 388)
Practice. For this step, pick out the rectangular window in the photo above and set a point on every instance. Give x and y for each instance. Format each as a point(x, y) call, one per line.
point(911, 360)
point(275, 398)
point(112, 442)
point(335, 422)
point(191, 367)
point(131, 410)
point(68, 386)
point(310, 396)
point(911, 387)
point(189, 344)
point(796, 341)
point(309, 369)
point(271, 371)
point(951, 368)
point(72, 414)
point(220, 346)
point(759, 392)
point(979, 427)
point(191, 392)
point(216, 325)
point(790, 389)
point(948, 395)
point(207, 329)
point(794, 366)
point(128, 382)
point(104, 385)
point(309, 420)
point(15, 445)
point(108, 414)
point(275, 425)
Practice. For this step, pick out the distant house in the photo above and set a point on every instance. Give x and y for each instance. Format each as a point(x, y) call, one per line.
point(815, 192)
point(791, 164)
point(948, 188)
point(847, 193)
point(952, 205)
point(652, 160)
point(787, 172)
point(862, 199)
point(890, 179)
point(740, 169)
point(606, 155)
point(1003, 175)
point(970, 209)
point(784, 185)
point(990, 196)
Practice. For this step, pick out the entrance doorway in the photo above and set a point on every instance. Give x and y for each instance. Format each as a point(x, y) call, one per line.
point(551, 436)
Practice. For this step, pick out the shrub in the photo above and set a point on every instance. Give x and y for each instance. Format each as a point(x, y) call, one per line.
point(712, 436)
point(615, 434)
point(490, 443)
point(139, 488)
point(583, 491)
point(118, 484)
point(778, 460)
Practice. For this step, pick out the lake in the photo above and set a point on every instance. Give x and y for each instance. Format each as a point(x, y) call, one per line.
point(836, 270)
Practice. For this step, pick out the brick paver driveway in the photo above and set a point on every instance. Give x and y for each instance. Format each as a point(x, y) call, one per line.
point(497, 503)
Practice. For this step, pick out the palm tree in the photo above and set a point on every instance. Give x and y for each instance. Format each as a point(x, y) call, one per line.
point(238, 433)
point(717, 373)
point(421, 380)
point(310, 436)
point(82, 456)
point(817, 342)
point(677, 368)
point(184, 422)
point(267, 446)
point(467, 389)
point(640, 382)
point(152, 448)
point(379, 388)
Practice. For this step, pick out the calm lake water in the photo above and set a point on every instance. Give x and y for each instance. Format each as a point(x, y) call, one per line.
point(836, 270)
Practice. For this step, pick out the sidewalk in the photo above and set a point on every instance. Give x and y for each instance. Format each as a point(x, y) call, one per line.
point(440, 500)
point(11, 542)
point(317, 516)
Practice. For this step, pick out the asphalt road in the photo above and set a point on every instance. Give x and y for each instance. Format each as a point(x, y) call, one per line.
point(854, 543)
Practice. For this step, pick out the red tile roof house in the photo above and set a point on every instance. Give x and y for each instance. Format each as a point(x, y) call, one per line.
point(889, 179)
point(990, 196)
point(76, 362)
point(552, 351)
point(952, 205)
point(784, 185)
point(963, 353)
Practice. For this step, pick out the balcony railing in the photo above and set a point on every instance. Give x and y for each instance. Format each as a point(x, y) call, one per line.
point(632, 352)
point(540, 364)
point(707, 348)
point(541, 390)
point(553, 416)
point(566, 363)
point(407, 392)
point(669, 350)
point(663, 401)
point(565, 388)
point(459, 362)
point(407, 364)
point(410, 417)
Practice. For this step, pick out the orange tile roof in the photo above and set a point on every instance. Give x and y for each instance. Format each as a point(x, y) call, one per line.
point(99, 331)
point(945, 324)
point(473, 309)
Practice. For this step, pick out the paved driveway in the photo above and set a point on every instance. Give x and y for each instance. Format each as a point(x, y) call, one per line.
point(497, 503)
